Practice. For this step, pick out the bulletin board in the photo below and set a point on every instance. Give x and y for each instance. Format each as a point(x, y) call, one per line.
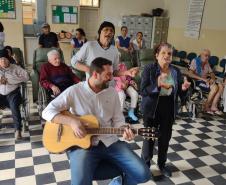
point(7, 9)
point(64, 14)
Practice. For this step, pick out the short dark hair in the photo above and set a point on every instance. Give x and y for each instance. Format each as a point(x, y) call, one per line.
point(9, 48)
point(105, 24)
point(4, 53)
point(124, 27)
point(81, 31)
point(140, 33)
point(1, 27)
point(98, 63)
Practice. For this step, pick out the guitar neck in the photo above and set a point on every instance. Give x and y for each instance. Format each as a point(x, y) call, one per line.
point(108, 131)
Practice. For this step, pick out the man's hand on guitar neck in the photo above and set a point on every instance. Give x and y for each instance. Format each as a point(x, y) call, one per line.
point(128, 133)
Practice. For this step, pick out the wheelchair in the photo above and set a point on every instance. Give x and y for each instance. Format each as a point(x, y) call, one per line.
point(24, 106)
point(40, 95)
point(194, 101)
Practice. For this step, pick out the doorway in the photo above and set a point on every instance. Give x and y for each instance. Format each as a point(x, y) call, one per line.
point(89, 21)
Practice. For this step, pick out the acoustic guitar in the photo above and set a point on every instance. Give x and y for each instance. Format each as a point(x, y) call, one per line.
point(59, 137)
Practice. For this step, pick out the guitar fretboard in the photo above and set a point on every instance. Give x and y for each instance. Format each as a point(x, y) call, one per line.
point(117, 131)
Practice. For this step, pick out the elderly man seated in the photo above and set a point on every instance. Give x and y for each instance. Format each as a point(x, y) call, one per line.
point(11, 76)
point(207, 82)
point(56, 76)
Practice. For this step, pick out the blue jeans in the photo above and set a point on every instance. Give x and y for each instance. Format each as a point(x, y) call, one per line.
point(84, 164)
point(13, 101)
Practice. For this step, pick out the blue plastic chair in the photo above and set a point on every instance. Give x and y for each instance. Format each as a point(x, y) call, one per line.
point(182, 55)
point(213, 61)
point(191, 56)
point(222, 64)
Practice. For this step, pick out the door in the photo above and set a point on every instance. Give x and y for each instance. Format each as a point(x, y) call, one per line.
point(89, 21)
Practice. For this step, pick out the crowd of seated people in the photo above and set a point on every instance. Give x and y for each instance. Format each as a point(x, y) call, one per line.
point(56, 76)
point(200, 67)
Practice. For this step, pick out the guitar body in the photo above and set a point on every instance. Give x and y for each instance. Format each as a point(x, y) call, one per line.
point(58, 144)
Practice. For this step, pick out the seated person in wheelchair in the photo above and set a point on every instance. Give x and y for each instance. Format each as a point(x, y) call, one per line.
point(206, 80)
point(125, 85)
point(11, 76)
point(56, 76)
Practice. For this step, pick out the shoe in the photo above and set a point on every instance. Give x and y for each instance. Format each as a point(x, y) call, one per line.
point(18, 135)
point(132, 115)
point(165, 171)
point(184, 109)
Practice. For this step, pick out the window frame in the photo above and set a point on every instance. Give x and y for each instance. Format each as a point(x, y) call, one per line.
point(89, 5)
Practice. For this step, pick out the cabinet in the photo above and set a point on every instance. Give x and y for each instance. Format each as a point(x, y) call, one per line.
point(154, 29)
point(160, 30)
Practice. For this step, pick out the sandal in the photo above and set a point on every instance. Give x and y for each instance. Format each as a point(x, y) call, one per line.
point(210, 112)
point(218, 112)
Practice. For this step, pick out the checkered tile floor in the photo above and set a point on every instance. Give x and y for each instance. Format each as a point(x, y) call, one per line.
point(197, 154)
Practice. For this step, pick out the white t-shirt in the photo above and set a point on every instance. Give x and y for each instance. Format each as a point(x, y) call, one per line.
point(91, 50)
point(81, 100)
point(136, 45)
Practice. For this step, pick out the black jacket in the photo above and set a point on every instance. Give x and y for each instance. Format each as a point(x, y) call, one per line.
point(150, 90)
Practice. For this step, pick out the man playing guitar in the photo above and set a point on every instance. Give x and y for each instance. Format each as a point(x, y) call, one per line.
point(96, 97)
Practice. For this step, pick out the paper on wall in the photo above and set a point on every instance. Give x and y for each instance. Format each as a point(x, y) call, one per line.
point(67, 18)
point(56, 19)
point(73, 18)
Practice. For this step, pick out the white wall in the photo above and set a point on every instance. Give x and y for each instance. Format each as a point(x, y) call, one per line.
point(65, 46)
point(113, 10)
point(213, 28)
point(13, 28)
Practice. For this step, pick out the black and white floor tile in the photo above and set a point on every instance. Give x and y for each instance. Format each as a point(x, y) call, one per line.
point(197, 154)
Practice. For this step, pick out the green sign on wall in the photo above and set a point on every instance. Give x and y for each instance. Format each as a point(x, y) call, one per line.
point(7, 9)
point(64, 14)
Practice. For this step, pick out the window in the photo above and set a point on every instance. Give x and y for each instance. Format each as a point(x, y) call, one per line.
point(29, 11)
point(91, 3)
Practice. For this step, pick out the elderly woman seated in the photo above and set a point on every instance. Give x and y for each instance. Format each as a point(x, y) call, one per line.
point(56, 76)
point(207, 82)
point(11, 76)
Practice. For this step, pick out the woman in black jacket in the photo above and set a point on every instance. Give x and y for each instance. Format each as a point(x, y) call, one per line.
point(160, 85)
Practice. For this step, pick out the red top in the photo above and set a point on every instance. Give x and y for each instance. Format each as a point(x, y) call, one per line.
point(60, 76)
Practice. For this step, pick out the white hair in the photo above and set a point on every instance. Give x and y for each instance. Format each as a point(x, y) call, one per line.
point(205, 50)
point(51, 53)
